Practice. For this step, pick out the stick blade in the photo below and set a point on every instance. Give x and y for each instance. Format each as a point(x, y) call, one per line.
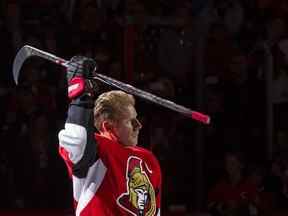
point(20, 58)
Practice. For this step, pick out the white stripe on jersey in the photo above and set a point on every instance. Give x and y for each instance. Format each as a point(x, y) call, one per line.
point(158, 214)
point(73, 139)
point(92, 182)
point(78, 184)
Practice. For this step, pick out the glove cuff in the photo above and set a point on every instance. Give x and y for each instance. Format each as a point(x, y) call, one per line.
point(84, 101)
point(76, 87)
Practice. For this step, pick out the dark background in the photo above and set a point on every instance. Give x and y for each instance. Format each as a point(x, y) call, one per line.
point(224, 58)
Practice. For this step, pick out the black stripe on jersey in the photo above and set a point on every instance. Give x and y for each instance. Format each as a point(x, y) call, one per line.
point(81, 113)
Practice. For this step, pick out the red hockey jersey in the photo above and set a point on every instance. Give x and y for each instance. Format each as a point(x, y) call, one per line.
point(122, 181)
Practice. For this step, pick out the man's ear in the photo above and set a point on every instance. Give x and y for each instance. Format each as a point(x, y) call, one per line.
point(107, 126)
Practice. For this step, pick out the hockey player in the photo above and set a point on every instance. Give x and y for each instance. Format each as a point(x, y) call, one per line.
point(111, 175)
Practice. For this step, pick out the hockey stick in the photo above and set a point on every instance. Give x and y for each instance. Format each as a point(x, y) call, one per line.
point(28, 51)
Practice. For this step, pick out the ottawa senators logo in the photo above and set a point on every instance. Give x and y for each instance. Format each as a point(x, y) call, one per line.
point(139, 200)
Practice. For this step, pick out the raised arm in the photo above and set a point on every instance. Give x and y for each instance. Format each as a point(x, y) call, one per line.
point(77, 144)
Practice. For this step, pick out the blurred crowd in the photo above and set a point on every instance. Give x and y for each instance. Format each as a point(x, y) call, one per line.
point(228, 58)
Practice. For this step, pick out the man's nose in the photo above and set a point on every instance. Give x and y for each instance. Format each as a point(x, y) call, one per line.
point(138, 124)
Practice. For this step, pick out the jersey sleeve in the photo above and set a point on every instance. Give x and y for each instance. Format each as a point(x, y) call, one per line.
point(77, 144)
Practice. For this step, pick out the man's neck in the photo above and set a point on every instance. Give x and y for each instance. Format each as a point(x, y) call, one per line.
point(109, 135)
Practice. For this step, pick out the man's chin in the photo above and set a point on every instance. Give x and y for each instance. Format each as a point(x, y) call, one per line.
point(132, 144)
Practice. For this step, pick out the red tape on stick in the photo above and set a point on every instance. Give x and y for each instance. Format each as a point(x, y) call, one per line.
point(200, 117)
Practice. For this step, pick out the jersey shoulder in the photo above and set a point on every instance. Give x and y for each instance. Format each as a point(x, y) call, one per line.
point(141, 151)
point(146, 154)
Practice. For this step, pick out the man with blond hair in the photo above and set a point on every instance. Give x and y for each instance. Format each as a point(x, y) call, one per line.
point(111, 175)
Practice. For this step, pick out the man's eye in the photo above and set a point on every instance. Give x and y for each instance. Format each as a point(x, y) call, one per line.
point(134, 122)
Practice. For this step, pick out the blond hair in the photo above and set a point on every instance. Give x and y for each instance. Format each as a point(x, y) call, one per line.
point(110, 106)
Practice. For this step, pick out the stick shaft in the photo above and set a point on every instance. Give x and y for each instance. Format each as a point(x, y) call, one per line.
point(154, 99)
point(28, 51)
point(49, 56)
